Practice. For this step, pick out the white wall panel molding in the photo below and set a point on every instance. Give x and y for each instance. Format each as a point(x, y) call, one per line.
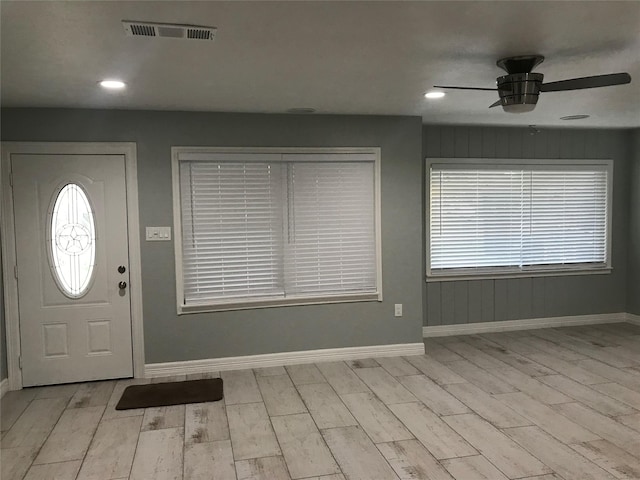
point(631, 318)
point(524, 324)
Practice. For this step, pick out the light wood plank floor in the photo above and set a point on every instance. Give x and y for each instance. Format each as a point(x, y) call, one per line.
point(543, 404)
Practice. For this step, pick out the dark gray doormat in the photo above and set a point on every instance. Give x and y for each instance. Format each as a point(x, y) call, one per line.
point(172, 393)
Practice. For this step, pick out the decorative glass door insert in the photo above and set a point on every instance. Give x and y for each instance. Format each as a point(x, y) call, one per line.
point(72, 237)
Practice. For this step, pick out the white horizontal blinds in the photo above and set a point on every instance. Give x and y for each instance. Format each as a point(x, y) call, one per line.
point(330, 246)
point(475, 218)
point(520, 218)
point(231, 230)
point(568, 218)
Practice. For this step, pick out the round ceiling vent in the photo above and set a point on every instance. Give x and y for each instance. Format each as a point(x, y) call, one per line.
point(301, 110)
point(574, 117)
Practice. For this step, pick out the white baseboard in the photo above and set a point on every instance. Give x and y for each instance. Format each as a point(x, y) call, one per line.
point(4, 387)
point(279, 359)
point(525, 324)
point(631, 318)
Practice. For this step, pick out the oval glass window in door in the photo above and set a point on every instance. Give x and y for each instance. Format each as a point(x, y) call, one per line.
point(72, 240)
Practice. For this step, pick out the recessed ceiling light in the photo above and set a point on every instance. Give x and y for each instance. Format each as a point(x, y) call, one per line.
point(574, 117)
point(434, 94)
point(112, 84)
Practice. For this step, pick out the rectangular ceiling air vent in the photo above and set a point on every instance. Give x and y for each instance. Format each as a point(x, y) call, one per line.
point(168, 30)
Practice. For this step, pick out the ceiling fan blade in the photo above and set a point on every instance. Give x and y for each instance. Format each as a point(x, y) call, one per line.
point(467, 88)
point(496, 104)
point(586, 82)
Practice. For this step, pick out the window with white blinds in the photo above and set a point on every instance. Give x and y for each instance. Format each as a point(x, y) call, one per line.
point(331, 243)
point(265, 228)
point(518, 218)
point(232, 244)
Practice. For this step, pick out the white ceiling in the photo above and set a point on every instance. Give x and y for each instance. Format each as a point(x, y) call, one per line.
point(337, 57)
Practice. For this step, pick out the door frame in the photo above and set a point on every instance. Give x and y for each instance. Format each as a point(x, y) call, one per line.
point(8, 241)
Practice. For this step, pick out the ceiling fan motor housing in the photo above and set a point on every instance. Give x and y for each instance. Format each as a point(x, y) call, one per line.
point(519, 91)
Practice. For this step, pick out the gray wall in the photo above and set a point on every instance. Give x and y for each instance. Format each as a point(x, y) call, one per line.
point(459, 302)
point(169, 337)
point(633, 282)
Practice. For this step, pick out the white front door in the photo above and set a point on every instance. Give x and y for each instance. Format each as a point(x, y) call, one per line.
point(73, 267)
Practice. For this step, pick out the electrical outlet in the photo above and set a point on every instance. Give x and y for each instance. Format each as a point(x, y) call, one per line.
point(398, 310)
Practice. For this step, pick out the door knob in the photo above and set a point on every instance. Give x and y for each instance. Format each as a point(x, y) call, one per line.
point(122, 285)
point(122, 269)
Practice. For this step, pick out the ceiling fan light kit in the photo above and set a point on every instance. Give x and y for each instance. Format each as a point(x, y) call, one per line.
point(519, 92)
point(520, 89)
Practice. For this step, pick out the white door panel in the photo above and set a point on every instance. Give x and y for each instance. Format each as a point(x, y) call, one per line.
point(66, 336)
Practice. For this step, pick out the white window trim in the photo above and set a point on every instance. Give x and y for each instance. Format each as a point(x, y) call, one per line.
point(509, 272)
point(193, 152)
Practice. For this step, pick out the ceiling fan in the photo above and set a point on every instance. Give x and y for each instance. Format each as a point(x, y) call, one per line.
point(520, 88)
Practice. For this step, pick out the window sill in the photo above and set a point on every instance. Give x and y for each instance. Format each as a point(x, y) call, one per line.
point(280, 302)
point(530, 274)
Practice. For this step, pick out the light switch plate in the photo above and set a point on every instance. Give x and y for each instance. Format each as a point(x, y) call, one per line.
point(397, 310)
point(158, 234)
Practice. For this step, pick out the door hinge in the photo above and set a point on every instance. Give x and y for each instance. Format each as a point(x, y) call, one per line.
point(11, 179)
point(20, 362)
point(15, 271)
